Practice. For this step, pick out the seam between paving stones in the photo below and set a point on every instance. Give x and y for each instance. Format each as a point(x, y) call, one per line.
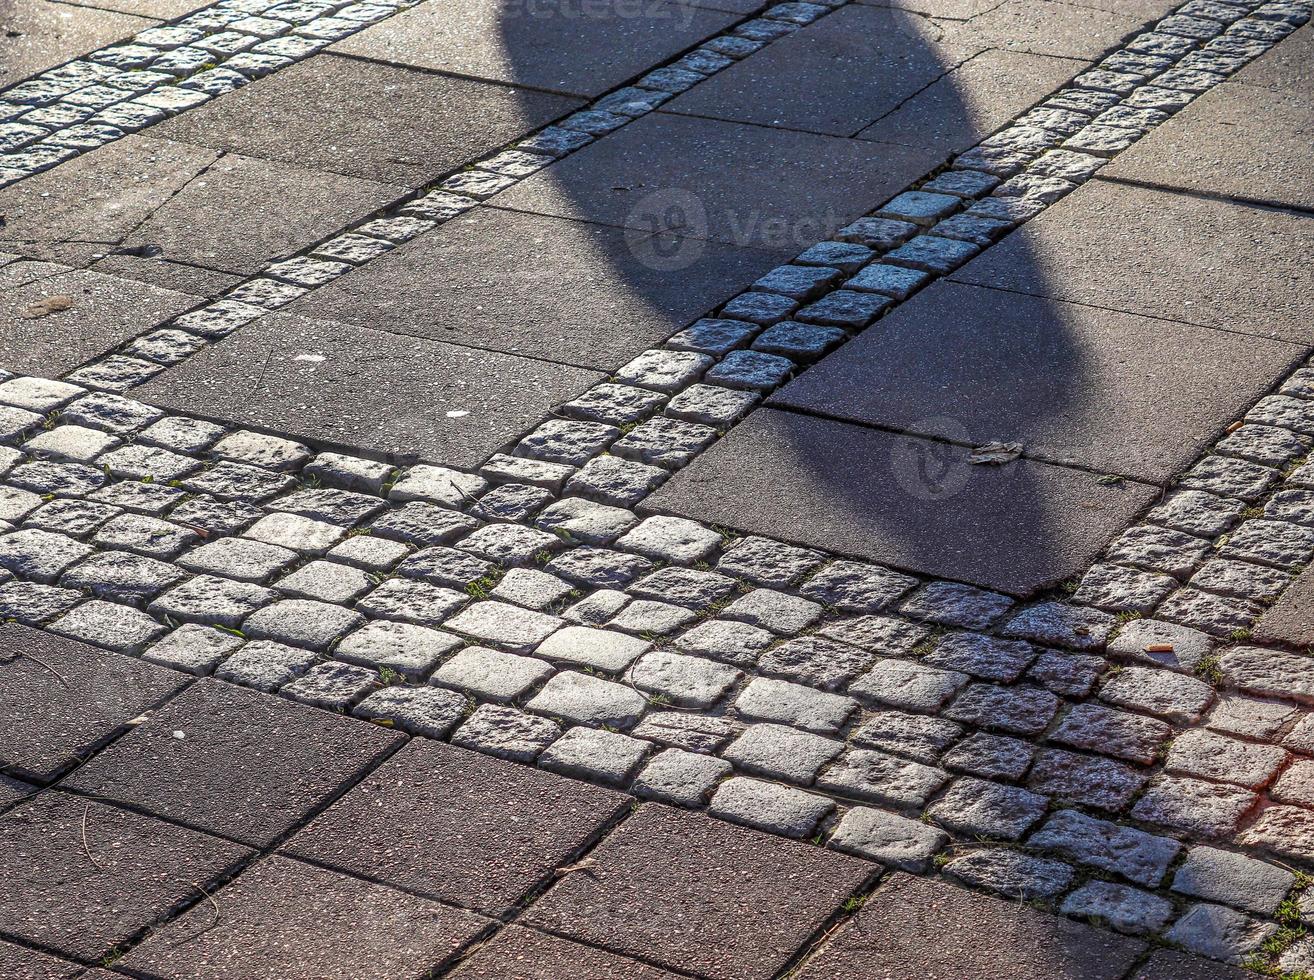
point(1124, 820)
point(1254, 202)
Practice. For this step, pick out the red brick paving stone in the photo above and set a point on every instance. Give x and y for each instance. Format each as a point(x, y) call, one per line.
point(700, 895)
point(53, 896)
point(290, 920)
point(62, 699)
point(17, 962)
point(458, 826)
point(523, 954)
point(248, 766)
point(914, 927)
point(1291, 618)
point(1167, 964)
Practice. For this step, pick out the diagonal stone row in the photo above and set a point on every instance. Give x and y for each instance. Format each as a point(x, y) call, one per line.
point(817, 697)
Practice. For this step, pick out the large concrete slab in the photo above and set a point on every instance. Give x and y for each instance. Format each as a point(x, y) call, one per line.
point(523, 954)
point(1078, 385)
point(912, 927)
point(247, 766)
point(567, 291)
point(695, 894)
point(105, 312)
point(903, 501)
point(288, 919)
point(575, 48)
point(1285, 67)
point(1175, 256)
point(961, 108)
point(742, 184)
point(834, 76)
point(81, 877)
point(341, 385)
point(1066, 30)
point(380, 122)
point(1291, 618)
point(459, 827)
point(63, 699)
point(182, 204)
point(1242, 141)
point(165, 9)
point(36, 35)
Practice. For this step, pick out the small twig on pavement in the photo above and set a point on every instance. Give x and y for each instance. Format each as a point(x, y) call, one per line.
point(58, 676)
point(86, 848)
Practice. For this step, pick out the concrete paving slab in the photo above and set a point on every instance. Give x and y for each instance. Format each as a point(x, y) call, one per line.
point(80, 877)
point(1076, 385)
point(459, 827)
point(36, 35)
point(320, 114)
point(1061, 29)
point(915, 927)
point(98, 198)
point(1265, 155)
point(163, 9)
point(342, 385)
point(834, 76)
point(177, 276)
point(743, 184)
point(1160, 254)
point(17, 961)
point(524, 954)
point(221, 219)
point(698, 895)
point(63, 699)
point(105, 312)
point(1291, 619)
point(287, 919)
point(246, 766)
point(578, 49)
point(1285, 67)
point(904, 501)
point(961, 108)
point(567, 291)
point(12, 790)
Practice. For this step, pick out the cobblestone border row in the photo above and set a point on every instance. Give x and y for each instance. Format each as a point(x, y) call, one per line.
point(165, 70)
point(775, 686)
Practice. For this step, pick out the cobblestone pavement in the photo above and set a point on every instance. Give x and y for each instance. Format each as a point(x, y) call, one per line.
point(573, 697)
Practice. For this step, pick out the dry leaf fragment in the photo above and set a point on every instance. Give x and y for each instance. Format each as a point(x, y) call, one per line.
point(577, 866)
point(47, 306)
point(995, 453)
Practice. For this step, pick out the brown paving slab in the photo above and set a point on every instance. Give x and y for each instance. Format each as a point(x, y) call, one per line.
point(62, 699)
point(221, 219)
point(1062, 29)
point(27, 964)
point(959, 109)
point(1291, 618)
point(904, 501)
point(1078, 385)
point(1285, 67)
point(744, 185)
point(246, 765)
point(416, 128)
point(563, 291)
point(95, 200)
point(1214, 263)
point(1264, 157)
point(912, 927)
point(290, 920)
point(83, 899)
point(699, 895)
point(338, 384)
point(458, 826)
point(1167, 964)
point(834, 76)
point(580, 49)
point(524, 954)
point(105, 312)
point(36, 35)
